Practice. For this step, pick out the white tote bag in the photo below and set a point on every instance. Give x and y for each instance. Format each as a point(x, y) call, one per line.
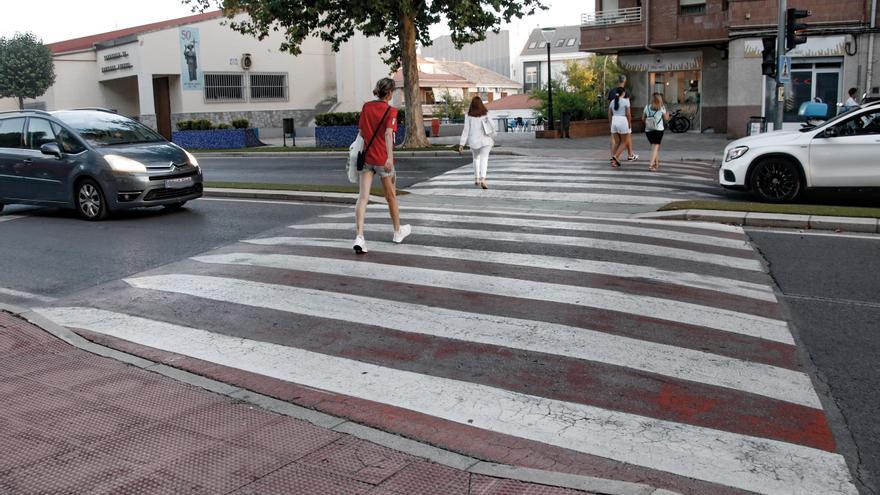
point(356, 147)
point(488, 128)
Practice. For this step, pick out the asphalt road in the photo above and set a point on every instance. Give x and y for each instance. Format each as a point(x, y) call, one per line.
point(316, 170)
point(50, 253)
point(831, 284)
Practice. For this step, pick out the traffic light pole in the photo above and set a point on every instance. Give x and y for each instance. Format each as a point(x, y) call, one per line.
point(780, 53)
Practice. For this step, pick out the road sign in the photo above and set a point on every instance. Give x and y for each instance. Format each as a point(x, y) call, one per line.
point(784, 69)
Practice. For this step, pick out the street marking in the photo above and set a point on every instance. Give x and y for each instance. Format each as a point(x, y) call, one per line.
point(562, 181)
point(740, 461)
point(699, 281)
point(544, 196)
point(559, 240)
point(7, 218)
point(709, 240)
point(271, 202)
point(534, 336)
point(26, 295)
point(867, 236)
point(644, 306)
point(583, 174)
point(556, 186)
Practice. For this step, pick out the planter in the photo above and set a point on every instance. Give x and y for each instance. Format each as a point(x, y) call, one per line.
point(598, 127)
point(343, 135)
point(217, 139)
point(554, 134)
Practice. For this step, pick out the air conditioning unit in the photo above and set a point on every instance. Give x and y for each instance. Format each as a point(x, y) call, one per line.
point(246, 61)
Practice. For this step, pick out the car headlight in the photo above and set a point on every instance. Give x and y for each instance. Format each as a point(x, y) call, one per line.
point(735, 153)
point(192, 159)
point(123, 164)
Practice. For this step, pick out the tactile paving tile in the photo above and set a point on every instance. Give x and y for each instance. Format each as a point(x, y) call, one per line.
point(359, 460)
point(287, 438)
point(155, 445)
point(486, 485)
point(21, 445)
point(45, 408)
point(300, 479)
point(427, 478)
point(16, 387)
point(156, 482)
point(75, 471)
point(224, 420)
point(95, 425)
point(29, 362)
point(151, 397)
point(72, 371)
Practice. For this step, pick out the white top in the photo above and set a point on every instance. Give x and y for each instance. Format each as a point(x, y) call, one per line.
point(850, 103)
point(474, 134)
point(621, 110)
point(657, 115)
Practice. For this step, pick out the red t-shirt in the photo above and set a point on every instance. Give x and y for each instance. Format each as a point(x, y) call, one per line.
point(371, 114)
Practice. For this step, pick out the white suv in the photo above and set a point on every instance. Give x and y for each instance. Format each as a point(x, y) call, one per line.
point(843, 152)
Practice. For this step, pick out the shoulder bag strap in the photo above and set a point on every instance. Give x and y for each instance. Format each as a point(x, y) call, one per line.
point(376, 131)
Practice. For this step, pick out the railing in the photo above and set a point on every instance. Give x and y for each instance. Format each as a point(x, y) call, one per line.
point(619, 16)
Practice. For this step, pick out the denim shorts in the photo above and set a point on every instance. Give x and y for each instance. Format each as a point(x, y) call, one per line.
point(378, 170)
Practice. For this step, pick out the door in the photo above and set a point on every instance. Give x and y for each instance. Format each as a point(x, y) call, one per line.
point(49, 175)
point(11, 147)
point(850, 158)
point(162, 102)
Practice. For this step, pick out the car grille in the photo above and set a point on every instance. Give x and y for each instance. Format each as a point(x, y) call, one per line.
point(175, 176)
point(165, 193)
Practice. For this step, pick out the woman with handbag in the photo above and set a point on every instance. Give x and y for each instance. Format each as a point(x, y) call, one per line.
point(479, 135)
point(656, 116)
point(377, 126)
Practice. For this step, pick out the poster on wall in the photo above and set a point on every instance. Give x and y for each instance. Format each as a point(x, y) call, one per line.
point(191, 73)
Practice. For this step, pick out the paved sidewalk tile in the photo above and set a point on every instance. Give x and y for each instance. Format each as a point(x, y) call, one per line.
point(72, 422)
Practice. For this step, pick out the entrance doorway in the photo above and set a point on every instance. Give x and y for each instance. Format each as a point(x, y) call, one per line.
point(162, 103)
point(811, 80)
point(681, 91)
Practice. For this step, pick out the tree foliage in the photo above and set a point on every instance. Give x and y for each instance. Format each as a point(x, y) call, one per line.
point(450, 106)
point(402, 23)
point(26, 68)
point(582, 89)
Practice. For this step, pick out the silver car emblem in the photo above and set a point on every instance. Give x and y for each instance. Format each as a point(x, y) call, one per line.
point(172, 166)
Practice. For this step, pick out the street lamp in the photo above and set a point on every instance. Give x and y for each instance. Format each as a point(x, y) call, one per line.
point(547, 34)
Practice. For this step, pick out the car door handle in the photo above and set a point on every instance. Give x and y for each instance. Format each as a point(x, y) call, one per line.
point(28, 160)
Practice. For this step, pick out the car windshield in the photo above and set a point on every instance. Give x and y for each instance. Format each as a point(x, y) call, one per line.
point(108, 129)
point(831, 121)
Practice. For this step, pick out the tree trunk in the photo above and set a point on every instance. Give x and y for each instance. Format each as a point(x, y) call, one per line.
point(20, 103)
point(415, 128)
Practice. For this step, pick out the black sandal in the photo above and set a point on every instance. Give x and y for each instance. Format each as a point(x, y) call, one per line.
point(615, 163)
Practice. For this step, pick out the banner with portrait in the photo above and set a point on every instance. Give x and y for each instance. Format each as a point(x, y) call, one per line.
point(191, 78)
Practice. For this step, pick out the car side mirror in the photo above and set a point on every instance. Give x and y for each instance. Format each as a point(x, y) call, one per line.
point(51, 149)
point(830, 132)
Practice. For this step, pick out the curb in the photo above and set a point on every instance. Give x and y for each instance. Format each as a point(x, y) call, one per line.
point(339, 154)
point(281, 195)
point(597, 486)
point(778, 220)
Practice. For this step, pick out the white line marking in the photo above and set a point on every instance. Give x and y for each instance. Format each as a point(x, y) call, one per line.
point(867, 236)
point(730, 459)
point(686, 279)
point(559, 240)
point(545, 196)
point(269, 201)
point(468, 179)
point(26, 295)
point(583, 174)
point(645, 306)
point(555, 187)
point(534, 336)
point(640, 231)
point(7, 218)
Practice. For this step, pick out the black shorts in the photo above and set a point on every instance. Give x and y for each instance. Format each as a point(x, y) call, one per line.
point(654, 137)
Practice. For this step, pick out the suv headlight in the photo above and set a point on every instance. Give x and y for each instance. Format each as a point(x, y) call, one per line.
point(123, 164)
point(192, 159)
point(735, 153)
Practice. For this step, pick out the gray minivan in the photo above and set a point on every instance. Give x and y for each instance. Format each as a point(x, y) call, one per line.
point(93, 160)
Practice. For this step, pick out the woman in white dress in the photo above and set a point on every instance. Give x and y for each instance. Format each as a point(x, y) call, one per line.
point(478, 134)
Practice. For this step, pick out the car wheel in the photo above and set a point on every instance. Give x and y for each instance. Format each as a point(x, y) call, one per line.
point(90, 203)
point(175, 206)
point(776, 180)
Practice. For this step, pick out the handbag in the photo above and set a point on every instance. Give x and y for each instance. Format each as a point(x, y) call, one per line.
point(488, 128)
point(362, 156)
point(353, 151)
point(651, 123)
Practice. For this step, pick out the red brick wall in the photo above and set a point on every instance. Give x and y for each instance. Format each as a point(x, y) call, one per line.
point(763, 12)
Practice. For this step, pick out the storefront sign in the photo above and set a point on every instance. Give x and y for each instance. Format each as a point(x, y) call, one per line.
point(662, 62)
point(116, 67)
point(816, 46)
point(191, 77)
point(115, 55)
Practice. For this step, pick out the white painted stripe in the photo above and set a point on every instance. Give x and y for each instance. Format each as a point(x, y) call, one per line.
point(558, 240)
point(269, 201)
point(622, 176)
point(709, 240)
point(7, 218)
point(558, 186)
point(651, 307)
point(25, 295)
point(544, 196)
point(686, 279)
point(534, 336)
point(625, 170)
point(740, 461)
point(584, 165)
point(469, 178)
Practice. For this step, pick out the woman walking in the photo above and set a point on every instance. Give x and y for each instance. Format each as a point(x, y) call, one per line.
point(620, 115)
point(478, 133)
point(378, 119)
point(656, 116)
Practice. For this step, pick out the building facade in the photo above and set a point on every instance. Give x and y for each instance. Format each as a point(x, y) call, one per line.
point(705, 55)
point(564, 46)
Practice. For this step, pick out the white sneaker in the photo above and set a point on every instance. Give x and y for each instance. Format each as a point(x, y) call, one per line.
point(360, 245)
point(400, 235)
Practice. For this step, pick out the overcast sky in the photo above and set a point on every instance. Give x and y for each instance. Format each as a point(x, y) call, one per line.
point(58, 20)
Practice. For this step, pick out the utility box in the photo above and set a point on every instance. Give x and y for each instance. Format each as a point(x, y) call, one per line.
point(288, 129)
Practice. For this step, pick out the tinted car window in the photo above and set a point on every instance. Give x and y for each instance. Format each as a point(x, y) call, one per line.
point(69, 143)
point(108, 129)
point(39, 133)
point(11, 133)
point(864, 124)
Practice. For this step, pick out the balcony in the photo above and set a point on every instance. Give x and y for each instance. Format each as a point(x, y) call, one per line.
point(617, 16)
point(611, 30)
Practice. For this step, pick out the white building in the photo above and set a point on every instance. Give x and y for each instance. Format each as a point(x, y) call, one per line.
point(564, 46)
point(499, 52)
point(196, 68)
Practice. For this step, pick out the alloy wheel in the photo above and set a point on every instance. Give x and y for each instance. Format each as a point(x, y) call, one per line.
point(90, 201)
point(776, 181)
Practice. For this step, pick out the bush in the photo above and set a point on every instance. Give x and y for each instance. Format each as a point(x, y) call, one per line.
point(224, 126)
point(241, 123)
point(184, 125)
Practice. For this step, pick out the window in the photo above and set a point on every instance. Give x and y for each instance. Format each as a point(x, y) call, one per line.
point(688, 7)
point(811, 80)
point(861, 125)
point(68, 142)
point(268, 86)
point(39, 133)
point(224, 87)
point(571, 42)
point(11, 131)
point(532, 45)
point(559, 43)
point(531, 75)
point(108, 129)
point(544, 44)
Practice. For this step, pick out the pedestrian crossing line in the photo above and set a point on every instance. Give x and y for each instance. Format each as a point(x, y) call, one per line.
point(740, 461)
point(643, 306)
point(561, 186)
point(686, 279)
point(555, 174)
point(533, 336)
point(8, 218)
point(561, 181)
point(574, 226)
point(543, 196)
point(558, 240)
point(595, 164)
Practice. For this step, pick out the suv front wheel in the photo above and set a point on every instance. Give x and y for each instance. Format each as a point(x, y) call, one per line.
point(775, 180)
point(90, 203)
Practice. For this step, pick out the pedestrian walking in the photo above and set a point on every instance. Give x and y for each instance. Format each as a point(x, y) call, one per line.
point(851, 102)
point(377, 126)
point(656, 116)
point(612, 94)
point(478, 134)
point(620, 115)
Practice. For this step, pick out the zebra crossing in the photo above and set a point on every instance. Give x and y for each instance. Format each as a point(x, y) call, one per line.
point(656, 345)
point(584, 181)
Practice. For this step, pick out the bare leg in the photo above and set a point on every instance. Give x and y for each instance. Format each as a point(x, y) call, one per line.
point(391, 197)
point(629, 144)
point(655, 155)
point(614, 141)
point(361, 209)
point(621, 147)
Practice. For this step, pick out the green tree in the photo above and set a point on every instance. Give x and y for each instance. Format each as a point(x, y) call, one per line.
point(402, 22)
point(581, 91)
point(450, 107)
point(26, 68)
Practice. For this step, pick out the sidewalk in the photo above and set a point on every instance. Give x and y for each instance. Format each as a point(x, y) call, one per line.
point(74, 422)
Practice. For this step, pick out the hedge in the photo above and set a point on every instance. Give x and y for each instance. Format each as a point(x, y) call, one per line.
point(347, 118)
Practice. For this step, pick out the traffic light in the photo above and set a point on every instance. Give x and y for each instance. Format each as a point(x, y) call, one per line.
point(768, 55)
point(794, 31)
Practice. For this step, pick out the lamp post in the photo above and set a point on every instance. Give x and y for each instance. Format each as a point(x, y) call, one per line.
point(547, 34)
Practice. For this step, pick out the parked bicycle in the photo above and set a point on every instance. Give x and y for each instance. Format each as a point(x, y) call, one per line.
point(679, 123)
